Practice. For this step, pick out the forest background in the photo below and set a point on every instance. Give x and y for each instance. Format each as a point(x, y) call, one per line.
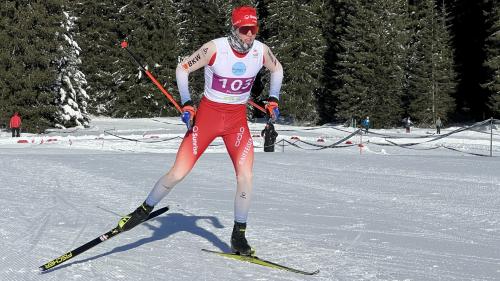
point(61, 61)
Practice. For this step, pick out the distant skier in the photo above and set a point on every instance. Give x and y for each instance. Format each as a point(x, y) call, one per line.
point(231, 64)
point(366, 124)
point(15, 125)
point(269, 134)
point(439, 124)
point(407, 124)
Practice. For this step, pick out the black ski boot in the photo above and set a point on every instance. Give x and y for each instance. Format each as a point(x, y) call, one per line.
point(239, 243)
point(136, 217)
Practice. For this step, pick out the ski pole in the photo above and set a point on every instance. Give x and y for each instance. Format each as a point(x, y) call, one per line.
point(124, 45)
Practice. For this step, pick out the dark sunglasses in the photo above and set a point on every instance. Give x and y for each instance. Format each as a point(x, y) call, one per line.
point(245, 29)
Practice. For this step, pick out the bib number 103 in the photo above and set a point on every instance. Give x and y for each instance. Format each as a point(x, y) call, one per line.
point(232, 85)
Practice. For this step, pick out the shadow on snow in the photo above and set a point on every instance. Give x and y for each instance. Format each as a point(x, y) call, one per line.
point(169, 225)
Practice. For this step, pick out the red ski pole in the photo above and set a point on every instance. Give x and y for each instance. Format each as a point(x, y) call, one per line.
point(252, 103)
point(124, 45)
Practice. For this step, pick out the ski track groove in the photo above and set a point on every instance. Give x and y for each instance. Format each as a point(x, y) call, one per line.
point(83, 223)
point(36, 235)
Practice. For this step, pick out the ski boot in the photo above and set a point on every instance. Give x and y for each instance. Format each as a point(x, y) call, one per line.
point(136, 217)
point(239, 244)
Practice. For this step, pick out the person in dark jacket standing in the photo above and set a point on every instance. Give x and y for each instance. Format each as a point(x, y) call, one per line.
point(407, 124)
point(15, 125)
point(439, 124)
point(366, 124)
point(269, 134)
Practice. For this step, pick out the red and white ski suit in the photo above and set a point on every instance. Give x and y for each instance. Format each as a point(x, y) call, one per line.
point(221, 113)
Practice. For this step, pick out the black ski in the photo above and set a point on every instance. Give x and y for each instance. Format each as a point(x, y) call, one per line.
point(259, 261)
point(113, 232)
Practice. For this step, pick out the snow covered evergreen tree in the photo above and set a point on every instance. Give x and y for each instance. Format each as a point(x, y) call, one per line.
point(334, 27)
point(71, 97)
point(103, 62)
point(116, 85)
point(28, 55)
point(493, 61)
point(431, 79)
point(371, 66)
point(151, 33)
point(296, 38)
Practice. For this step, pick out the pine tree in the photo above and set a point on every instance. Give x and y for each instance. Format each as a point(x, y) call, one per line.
point(28, 56)
point(493, 61)
point(469, 34)
point(103, 62)
point(116, 84)
point(7, 14)
point(152, 36)
point(334, 27)
point(297, 41)
point(431, 79)
point(371, 66)
point(71, 82)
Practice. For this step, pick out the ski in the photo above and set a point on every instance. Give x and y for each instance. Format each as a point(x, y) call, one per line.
point(259, 261)
point(113, 232)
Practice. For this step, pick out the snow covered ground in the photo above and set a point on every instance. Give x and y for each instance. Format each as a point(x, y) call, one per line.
point(380, 212)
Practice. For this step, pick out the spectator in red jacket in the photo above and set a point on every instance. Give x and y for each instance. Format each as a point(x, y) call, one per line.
point(15, 125)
